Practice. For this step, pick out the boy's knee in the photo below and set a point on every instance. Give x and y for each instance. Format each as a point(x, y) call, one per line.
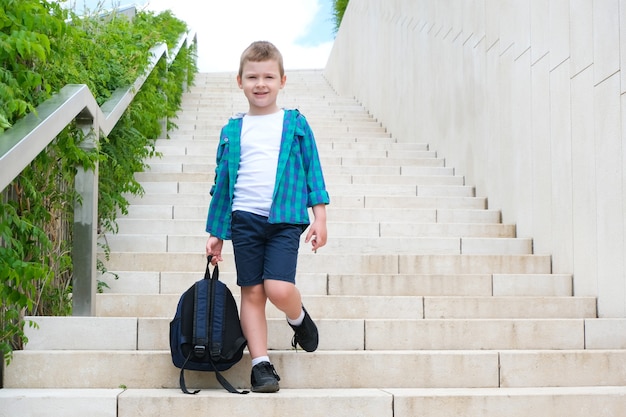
point(254, 294)
point(279, 292)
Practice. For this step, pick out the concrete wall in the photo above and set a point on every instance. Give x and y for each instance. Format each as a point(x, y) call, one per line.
point(525, 98)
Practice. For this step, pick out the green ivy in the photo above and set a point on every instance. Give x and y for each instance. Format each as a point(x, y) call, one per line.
point(44, 47)
point(339, 8)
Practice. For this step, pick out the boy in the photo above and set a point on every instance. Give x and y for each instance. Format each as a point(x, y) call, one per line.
point(268, 173)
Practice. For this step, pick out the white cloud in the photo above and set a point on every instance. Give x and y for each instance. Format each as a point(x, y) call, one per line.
point(226, 28)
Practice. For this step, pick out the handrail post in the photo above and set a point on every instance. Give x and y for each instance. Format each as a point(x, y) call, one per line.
point(163, 121)
point(85, 233)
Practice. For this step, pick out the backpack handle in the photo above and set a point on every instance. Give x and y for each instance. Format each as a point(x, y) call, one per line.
point(216, 271)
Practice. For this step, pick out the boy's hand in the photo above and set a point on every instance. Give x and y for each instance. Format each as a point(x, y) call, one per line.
point(214, 248)
point(317, 232)
point(317, 235)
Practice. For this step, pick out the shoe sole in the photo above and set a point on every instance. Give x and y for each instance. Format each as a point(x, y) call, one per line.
point(266, 389)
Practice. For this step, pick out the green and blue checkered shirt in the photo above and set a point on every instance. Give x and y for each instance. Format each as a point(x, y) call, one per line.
point(299, 178)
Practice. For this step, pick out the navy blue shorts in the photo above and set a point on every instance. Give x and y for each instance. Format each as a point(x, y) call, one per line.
point(264, 250)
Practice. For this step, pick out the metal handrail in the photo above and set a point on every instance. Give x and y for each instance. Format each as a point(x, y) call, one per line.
point(21, 144)
point(30, 135)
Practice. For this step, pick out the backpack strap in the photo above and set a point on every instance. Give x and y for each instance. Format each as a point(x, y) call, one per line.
point(207, 273)
point(181, 378)
point(203, 300)
point(220, 378)
point(227, 385)
point(202, 325)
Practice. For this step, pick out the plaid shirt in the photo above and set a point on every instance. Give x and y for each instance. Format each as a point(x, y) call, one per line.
point(299, 178)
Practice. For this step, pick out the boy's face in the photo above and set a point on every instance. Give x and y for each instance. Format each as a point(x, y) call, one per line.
point(261, 82)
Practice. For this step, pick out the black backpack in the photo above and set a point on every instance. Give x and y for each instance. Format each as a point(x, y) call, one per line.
point(205, 334)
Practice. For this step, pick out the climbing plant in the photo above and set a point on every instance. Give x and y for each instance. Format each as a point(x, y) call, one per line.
point(43, 47)
point(339, 8)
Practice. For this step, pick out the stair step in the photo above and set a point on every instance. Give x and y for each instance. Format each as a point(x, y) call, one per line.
point(177, 167)
point(375, 244)
point(452, 284)
point(150, 333)
point(208, 147)
point(507, 307)
point(154, 369)
point(334, 214)
point(296, 402)
point(155, 282)
point(372, 146)
point(428, 167)
point(402, 190)
point(175, 187)
point(448, 180)
point(537, 285)
point(336, 229)
point(60, 402)
point(473, 264)
point(332, 170)
point(365, 134)
point(559, 368)
point(429, 177)
point(410, 215)
point(354, 307)
point(532, 285)
point(378, 161)
point(347, 263)
point(606, 334)
point(385, 402)
point(399, 369)
point(510, 402)
point(357, 201)
point(391, 202)
point(152, 176)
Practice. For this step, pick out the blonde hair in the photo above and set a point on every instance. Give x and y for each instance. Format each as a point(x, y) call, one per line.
point(261, 51)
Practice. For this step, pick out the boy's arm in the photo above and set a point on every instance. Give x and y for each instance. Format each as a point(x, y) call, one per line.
point(317, 234)
point(218, 217)
point(316, 185)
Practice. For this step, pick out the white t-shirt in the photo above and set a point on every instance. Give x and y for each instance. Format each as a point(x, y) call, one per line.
point(256, 178)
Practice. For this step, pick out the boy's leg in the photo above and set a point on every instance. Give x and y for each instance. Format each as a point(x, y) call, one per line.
point(253, 320)
point(254, 325)
point(281, 258)
point(249, 247)
point(285, 296)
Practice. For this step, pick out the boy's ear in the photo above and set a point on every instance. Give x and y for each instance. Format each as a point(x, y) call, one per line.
point(239, 81)
point(283, 81)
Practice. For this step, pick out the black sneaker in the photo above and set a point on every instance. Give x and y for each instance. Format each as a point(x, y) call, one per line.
point(305, 334)
point(264, 378)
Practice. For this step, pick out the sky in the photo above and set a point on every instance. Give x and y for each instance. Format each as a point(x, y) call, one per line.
point(301, 29)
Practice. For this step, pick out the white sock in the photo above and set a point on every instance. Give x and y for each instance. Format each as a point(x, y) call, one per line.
point(260, 359)
point(297, 321)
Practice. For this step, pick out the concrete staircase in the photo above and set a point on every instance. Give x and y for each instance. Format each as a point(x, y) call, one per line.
point(426, 303)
